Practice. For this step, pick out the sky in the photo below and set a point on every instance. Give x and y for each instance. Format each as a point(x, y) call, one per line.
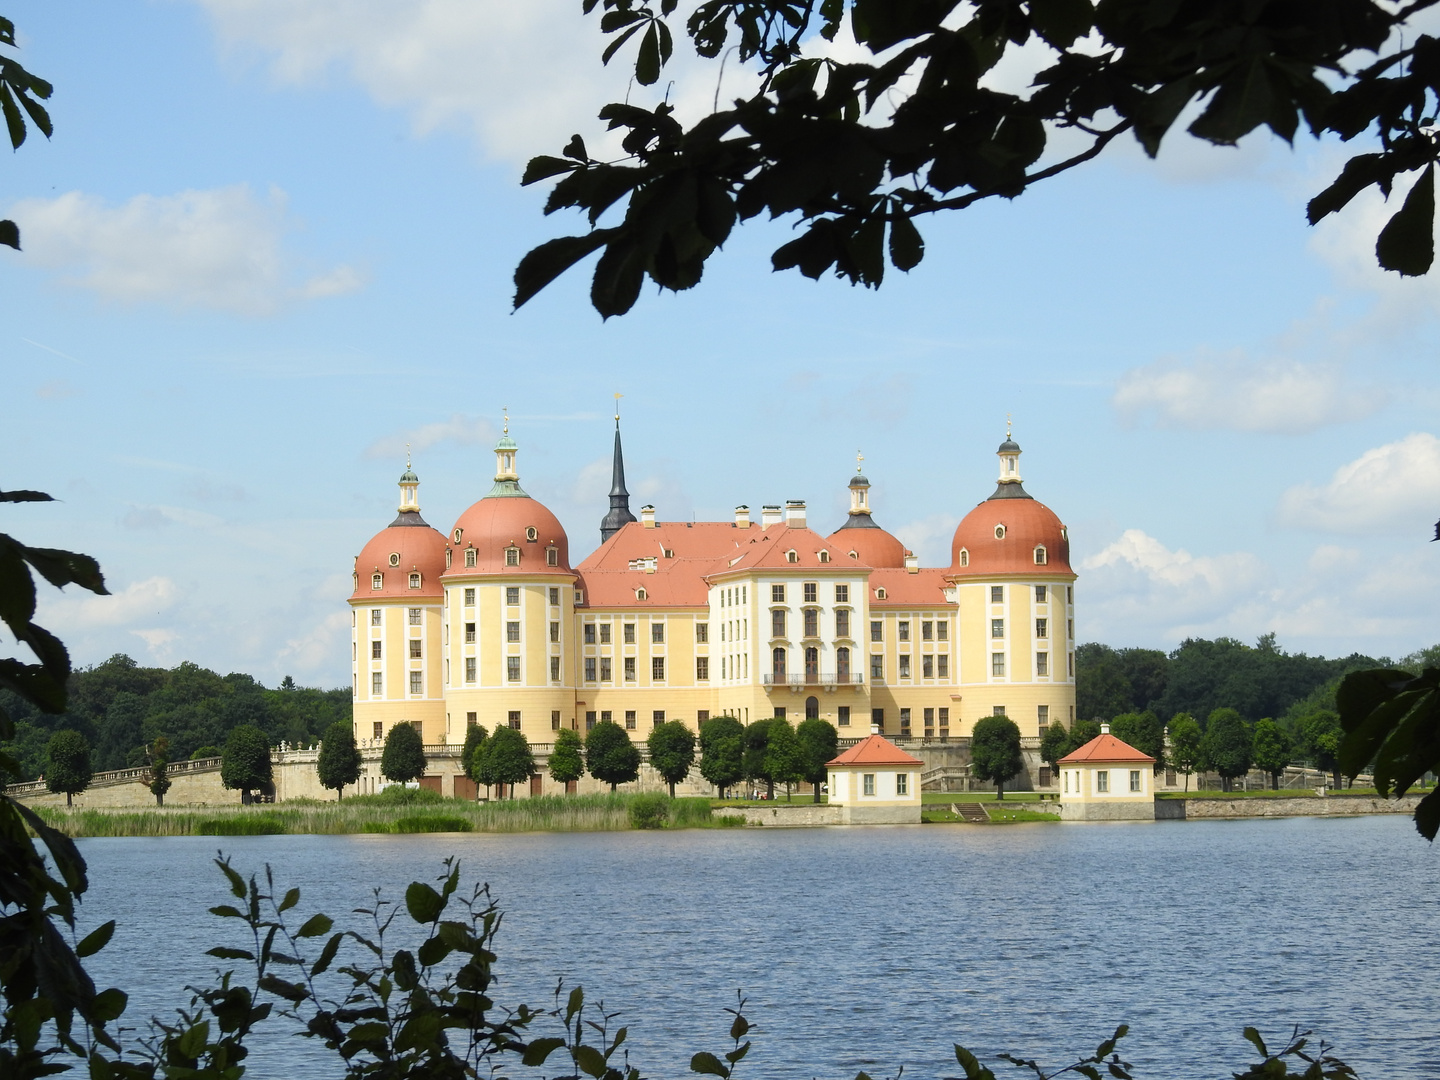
point(271, 243)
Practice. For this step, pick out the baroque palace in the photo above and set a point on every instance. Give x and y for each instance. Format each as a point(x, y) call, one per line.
point(490, 623)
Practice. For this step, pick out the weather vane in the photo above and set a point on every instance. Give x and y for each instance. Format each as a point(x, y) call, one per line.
point(506, 410)
point(407, 455)
point(859, 459)
point(1007, 425)
point(617, 409)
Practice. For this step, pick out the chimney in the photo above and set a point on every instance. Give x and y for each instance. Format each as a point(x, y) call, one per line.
point(874, 729)
point(1104, 729)
point(769, 515)
point(647, 517)
point(912, 563)
point(742, 517)
point(795, 513)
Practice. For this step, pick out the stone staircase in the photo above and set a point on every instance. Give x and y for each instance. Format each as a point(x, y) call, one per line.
point(972, 812)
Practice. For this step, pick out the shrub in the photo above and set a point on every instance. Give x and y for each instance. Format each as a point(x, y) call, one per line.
point(649, 811)
point(241, 825)
point(425, 823)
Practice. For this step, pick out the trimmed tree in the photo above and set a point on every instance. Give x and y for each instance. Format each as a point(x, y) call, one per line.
point(245, 762)
point(782, 755)
point(567, 759)
point(672, 752)
point(1054, 745)
point(1227, 745)
point(818, 743)
point(995, 751)
point(67, 764)
point(610, 755)
point(1143, 731)
point(1320, 735)
point(1186, 750)
point(474, 736)
point(757, 743)
point(159, 765)
point(403, 759)
point(339, 760)
point(722, 749)
point(508, 758)
point(1272, 748)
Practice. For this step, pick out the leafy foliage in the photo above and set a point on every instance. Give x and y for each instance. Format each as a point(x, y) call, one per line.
point(159, 764)
point(508, 759)
point(1144, 732)
point(672, 752)
point(19, 90)
point(610, 755)
point(650, 811)
point(1271, 749)
point(1227, 745)
point(567, 757)
point(1392, 718)
point(68, 769)
point(403, 759)
point(245, 762)
point(995, 751)
point(338, 763)
point(722, 745)
point(819, 744)
point(837, 146)
point(783, 762)
point(756, 758)
point(1186, 745)
point(1054, 744)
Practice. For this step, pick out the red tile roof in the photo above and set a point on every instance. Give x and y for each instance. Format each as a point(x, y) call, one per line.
point(683, 553)
point(1105, 748)
point(1028, 524)
point(875, 750)
point(924, 588)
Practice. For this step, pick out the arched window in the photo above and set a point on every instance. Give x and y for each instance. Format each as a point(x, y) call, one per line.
point(999, 532)
point(964, 557)
point(842, 663)
point(394, 559)
point(812, 708)
point(812, 663)
point(641, 594)
point(447, 558)
point(777, 664)
point(880, 593)
point(355, 578)
point(824, 556)
point(470, 556)
point(1039, 554)
point(414, 581)
point(377, 581)
point(792, 556)
point(512, 556)
point(552, 556)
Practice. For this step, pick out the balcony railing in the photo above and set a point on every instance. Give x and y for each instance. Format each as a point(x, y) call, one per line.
point(813, 679)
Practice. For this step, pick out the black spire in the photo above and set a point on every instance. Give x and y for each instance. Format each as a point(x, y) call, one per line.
point(619, 514)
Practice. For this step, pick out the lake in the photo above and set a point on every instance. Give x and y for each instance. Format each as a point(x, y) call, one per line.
point(876, 948)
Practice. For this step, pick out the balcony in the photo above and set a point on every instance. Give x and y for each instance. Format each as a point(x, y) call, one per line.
point(812, 679)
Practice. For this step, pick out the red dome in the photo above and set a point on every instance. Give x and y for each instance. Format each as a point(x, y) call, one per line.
point(1025, 525)
point(396, 553)
point(876, 547)
point(499, 522)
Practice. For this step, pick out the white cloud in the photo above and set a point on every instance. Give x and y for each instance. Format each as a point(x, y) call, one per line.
point(1238, 394)
point(1392, 489)
point(218, 249)
point(316, 649)
point(83, 610)
point(161, 642)
point(459, 429)
point(929, 537)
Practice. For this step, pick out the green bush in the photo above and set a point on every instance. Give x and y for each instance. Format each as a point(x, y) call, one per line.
point(241, 825)
point(423, 823)
point(399, 795)
point(649, 811)
point(205, 752)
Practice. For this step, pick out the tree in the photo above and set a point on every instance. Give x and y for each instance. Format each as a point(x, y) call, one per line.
point(1271, 749)
point(1054, 744)
point(1390, 718)
point(67, 764)
point(1227, 745)
point(245, 761)
point(339, 761)
point(1186, 742)
point(159, 766)
point(819, 745)
point(567, 758)
point(1320, 738)
point(754, 762)
point(610, 756)
point(1144, 732)
point(722, 749)
point(403, 759)
point(508, 758)
point(827, 143)
point(783, 763)
point(995, 751)
point(1081, 732)
point(472, 757)
point(672, 752)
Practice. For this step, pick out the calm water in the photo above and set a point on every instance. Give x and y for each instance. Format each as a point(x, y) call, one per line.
point(876, 948)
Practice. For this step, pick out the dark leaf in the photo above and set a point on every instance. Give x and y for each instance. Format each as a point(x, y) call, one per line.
point(1359, 172)
point(1253, 1037)
point(224, 952)
point(316, 925)
point(292, 897)
point(545, 263)
point(708, 1064)
point(1427, 815)
point(575, 148)
point(536, 1053)
point(10, 234)
point(1407, 243)
point(281, 988)
point(96, 940)
point(13, 120)
point(647, 60)
point(25, 496)
point(109, 1005)
point(327, 955)
point(907, 247)
point(543, 167)
point(590, 1061)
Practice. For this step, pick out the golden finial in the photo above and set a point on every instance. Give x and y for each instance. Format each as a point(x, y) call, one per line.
point(1007, 425)
point(859, 459)
point(407, 455)
point(617, 409)
point(506, 410)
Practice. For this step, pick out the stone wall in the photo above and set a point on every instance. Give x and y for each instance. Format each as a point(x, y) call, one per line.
point(1107, 810)
point(1300, 806)
point(786, 814)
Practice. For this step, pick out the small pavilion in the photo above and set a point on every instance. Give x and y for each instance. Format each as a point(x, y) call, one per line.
point(874, 782)
point(1107, 780)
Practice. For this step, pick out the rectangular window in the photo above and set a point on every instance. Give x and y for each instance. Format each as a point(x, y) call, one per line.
point(376, 685)
point(777, 622)
point(379, 729)
point(512, 631)
point(877, 630)
point(1102, 780)
point(657, 718)
point(997, 663)
point(605, 633)
point(605, 669)
point(942, 666)
point(629, 635)
point(927, 631)
point(587, 633)
point(1040, 594)
point(629, 669)
point(589, 669)
point(469, 633)
point(944, 717)
point(1069, 629)
point(702, 633)
point(842, 716)
point(702, 668)
point(702, 715)
point(877, 668)
point(514, 720)
point(877, 719)
point(904, 721)
point(842, 623)
point(417, 682)
point(554, 719)
point(470, 669)
point(927, 667)
point(657, 668)
point(812, 622)
point(470, 719)
point(512, 595)
point(1072, 665)
point(375, 616)
point(374, 650)
point(469, 597)
point(1070, 594)
point(903, 630)
point(512, 668)
point(1043, 714)
point(904, 665)
point(997, 710)
point(469, 556)
point(869, 783)
point(1042, 628)
point(554, 597)
point(1134, 779)
point(777, 594)
point(589, 720)
point(415, 648)
point(902, 783)
point(512, 558)
point(414, 616)
point(1042, 663)
point(657, 633)
point(997, 594)
point(555, 632)
point(929, 722)
point(629, 719)
point(997, 628)
point(809, 591)
point(942, 629)
point(554, 669)
point(842, 594)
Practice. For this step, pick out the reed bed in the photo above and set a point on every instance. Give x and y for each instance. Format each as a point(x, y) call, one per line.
point(379, 814)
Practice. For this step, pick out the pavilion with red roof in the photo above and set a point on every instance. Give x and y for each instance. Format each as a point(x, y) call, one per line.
point(874, 782)
point(1107, 779)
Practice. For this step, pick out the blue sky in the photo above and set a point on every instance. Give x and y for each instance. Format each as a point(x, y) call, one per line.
point(271, 242)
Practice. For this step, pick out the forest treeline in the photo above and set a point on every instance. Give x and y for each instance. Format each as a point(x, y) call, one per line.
point(121, 708)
